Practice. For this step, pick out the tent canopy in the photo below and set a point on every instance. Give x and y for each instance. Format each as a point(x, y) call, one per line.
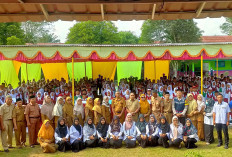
point(109, 53)
point(112, 10)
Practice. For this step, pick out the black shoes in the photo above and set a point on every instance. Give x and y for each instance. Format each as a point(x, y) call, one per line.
point(226, 147)
point(6, 150)
point(219, 145)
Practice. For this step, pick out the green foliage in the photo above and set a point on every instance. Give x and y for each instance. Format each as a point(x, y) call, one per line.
point(227, 26)
point(13, 40)
point(91, 32)
point(170, 31)
point(127, 37)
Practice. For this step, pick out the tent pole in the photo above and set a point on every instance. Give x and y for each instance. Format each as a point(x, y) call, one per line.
point(217, 67)
point(27, 73)
point(85, 69)
point(73, 80)
point(202, 73)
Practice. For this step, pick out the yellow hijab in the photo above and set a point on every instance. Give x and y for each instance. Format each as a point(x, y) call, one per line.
point(46, 133)
point(144, 105)
point(88, 105)
point(96, 106)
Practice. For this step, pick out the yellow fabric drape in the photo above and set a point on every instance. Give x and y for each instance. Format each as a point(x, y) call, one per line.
point(17, 66)
point(55, 71)
point(156, 69)
point(106, 69)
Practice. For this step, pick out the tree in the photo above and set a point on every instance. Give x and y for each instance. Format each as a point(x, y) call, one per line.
point(227, 26)
point(11, 29)
point(127, 37)
point(13, 40)
point(91, 32)
point(170, 31)
point(39, 32)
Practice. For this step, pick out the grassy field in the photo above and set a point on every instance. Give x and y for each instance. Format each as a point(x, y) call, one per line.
point(202, 151)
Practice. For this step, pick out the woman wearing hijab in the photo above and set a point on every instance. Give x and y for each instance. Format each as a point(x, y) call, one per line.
point(62, 135)
point(57, 110)
point(78, 111)
point(76, 136)
point(89, 109)
point(200, 117)
point(68, 111)
point(103, 134)
point(141, 131)
point(145, 107)
point(208, 121)
point(106, 113)
point(116, 132)
point(97, 111)
point(170, 91)
point(46, 111)
point(89, 132)
point(152, 131)
point(176, 131)
point(130, 131)
point(190, 134)
point(163, 130)
point(46, 137)
point(160, 93)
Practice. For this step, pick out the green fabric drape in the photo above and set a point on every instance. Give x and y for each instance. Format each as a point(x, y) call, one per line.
point(79, 70)
point(128, 69)
point(33, 70)
point(8, 73)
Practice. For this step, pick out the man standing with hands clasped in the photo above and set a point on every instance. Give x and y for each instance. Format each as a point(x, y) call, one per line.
point(221, 119)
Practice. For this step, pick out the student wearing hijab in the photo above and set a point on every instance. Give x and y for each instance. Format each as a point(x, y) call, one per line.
point(76, 136)
point(62, 135)
point(89, 109)
point(200, 117)
point(145, 107)
point(141, 131)
point(176, 131)
point(106, 113)
point(57, 110)
point(192, 108)
point(116, 132)
point(208, 121)
point(152, 131)
point(103, 134)
point(129, 130)
point(46, 137)
point(68, 111)
point(97, 111)
point(190, 134)
point(89, 132)
point(78, 111)
point(46, 111)
point(163, 130)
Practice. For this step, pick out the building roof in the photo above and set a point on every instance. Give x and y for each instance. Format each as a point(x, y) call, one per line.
point(213, 39)
point(111, 10)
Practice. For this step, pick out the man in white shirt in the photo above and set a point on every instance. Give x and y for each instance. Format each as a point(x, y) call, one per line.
point(221, 119)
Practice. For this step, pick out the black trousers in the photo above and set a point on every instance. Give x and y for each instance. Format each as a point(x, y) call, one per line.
point(143, 143)
point(77, 145)
point(116, 143)
point(154, 141)
point(208, 130)
point(219, 128)
point(163, 141)
point(64, 146)
point(175, 143)
point(104, 144)
point(130, 143)
point(190, 143)
point(91, 143)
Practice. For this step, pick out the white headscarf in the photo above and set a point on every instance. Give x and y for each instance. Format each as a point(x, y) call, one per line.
point(200, 103)
point(57, 110)
point(79, 109)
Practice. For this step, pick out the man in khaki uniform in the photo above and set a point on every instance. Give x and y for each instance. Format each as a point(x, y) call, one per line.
point(6, 111)
point(133, 107)
point(118, 106)
point(19, 123)
point(157, 104)
point(192, 107)
point(167, 107)
point(32, 113)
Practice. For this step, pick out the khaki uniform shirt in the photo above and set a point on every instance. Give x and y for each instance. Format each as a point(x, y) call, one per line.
point(6, 111)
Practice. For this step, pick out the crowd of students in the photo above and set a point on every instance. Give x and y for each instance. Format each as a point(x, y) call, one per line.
point(166, 113)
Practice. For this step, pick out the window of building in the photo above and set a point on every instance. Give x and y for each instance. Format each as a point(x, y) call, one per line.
point(221, 64)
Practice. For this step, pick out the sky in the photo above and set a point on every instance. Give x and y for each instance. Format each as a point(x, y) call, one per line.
point(209, 26)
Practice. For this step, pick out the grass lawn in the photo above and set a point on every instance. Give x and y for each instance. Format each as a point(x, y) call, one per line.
point(202, 151)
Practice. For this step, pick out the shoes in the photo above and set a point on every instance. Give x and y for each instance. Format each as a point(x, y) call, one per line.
point(24, 145)
point(179, 146)
point(226, 147)
point(32, 146)
point(219, 145)
point(207, 143)
point(37, 143)
point(20, 147)
point(6, 150)
point(10, 147)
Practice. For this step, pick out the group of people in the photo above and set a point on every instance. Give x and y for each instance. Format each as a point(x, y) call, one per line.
point(105, 115)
